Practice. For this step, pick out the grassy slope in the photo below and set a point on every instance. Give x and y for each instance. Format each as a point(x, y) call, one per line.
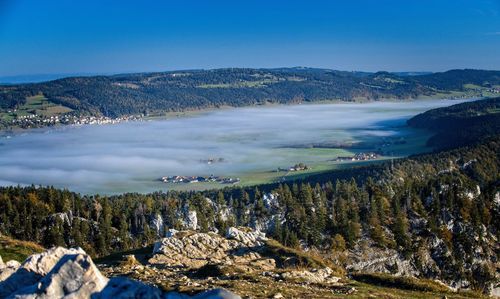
point(35, 105)
point(11, 249)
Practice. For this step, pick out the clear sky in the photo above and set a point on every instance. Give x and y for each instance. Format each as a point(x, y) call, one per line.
point(101, 36)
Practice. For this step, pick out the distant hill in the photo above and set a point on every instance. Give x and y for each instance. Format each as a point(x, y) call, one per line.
point(411, 73)
point(37, 78)
point(147, 93)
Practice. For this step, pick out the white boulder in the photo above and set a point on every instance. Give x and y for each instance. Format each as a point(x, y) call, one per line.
point(74, 276)
point(34, 268)
point(249, 238)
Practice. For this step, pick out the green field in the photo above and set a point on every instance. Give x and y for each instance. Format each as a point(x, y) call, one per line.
point(254, 84)
point(319, 160)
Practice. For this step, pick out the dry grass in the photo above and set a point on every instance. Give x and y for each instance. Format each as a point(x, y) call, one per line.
point(141, 255)
point(301, 259)
point(401, 282)
point(11, 249)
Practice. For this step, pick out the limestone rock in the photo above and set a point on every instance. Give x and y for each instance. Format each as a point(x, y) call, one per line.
point(191, 250)
point(119, 287)
point(375, 260)
point(13, 264)
point(70, 273)
point(34, 268)
point(7, 269)
point(170, 233)
point(43, 262)
point(315, 276)
point(495, 291)
point(75, 275)
point(249, 238)
point(191, 221)
point(157, 225)
point(194, 250)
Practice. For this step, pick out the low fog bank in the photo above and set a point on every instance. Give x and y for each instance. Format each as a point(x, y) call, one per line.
point(131, 156)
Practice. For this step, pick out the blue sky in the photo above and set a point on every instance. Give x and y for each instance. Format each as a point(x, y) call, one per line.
point(45, 37)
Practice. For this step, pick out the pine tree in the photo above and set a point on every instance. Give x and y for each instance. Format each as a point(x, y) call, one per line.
point(54, 234)
point(277, 232)
point(124, 234)
point(76, 233)
point(401, 232)
point(338, 243)
point(374, 226)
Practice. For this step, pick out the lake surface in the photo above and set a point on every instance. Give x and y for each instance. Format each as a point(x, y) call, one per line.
point(131, 157)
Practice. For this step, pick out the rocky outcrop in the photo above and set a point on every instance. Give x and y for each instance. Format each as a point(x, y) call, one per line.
point(157, 224)
point(247, 237)
point(74, 275)
point(70, 273)
point(194, 249)
point(314, 276)
point(243, 260)
point(33, 269)
point(376, 260)
point(433, 260)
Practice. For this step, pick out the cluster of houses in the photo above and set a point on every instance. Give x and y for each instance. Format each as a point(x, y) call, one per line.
point(212, 160)
point(359, 157)
point(493, 90)
point(296, 167)
point(176, 179)
point(37, 120)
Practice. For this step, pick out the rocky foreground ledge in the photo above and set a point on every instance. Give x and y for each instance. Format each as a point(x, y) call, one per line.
point(184, 264)
point(192, 264)
point(243, 261)
point(70, 273)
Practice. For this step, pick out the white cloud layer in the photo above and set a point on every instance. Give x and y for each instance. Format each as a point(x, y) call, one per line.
point(131, 156)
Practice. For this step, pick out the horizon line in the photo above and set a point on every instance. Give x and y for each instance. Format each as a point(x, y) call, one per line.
point(24, 78)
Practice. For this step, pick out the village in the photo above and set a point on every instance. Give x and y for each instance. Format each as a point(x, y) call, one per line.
point(296, 167)
point(178, 179)
point(212, 160)
point(37, 121)
point(359, 157)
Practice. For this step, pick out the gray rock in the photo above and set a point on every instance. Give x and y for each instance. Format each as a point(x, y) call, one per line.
point(157, 225)
point(7, 269)
point(70, 273)
point(119, 287)
point(194, 250)
point(318, 276)
point(249, 238)
point(33, 269)
point(190, 219)
point(74, 276)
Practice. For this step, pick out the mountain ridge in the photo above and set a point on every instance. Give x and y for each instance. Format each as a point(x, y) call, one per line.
point(160, 92)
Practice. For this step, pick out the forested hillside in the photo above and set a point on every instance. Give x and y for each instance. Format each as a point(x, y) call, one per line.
point(147, 93)
point(460, 124)
point(433, 216)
